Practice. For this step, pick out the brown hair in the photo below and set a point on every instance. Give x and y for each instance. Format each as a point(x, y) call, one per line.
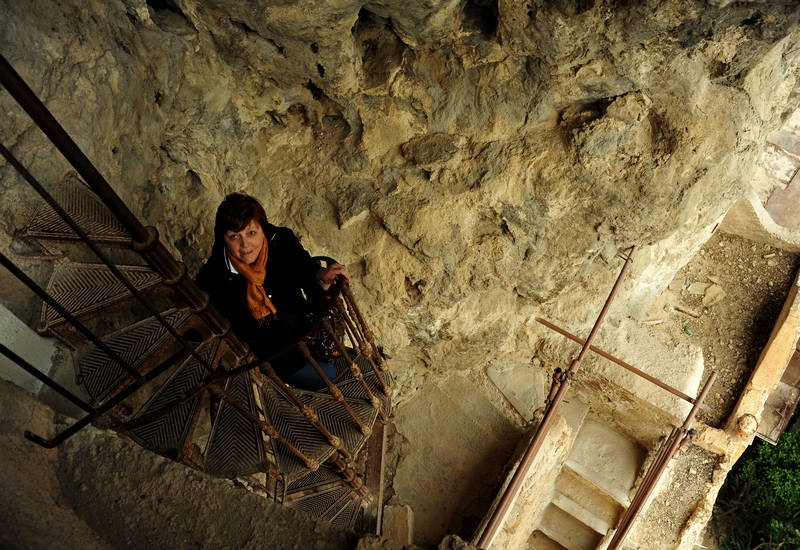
point(234, 213)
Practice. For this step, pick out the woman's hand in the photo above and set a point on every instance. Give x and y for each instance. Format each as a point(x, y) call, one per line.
point(327, 275)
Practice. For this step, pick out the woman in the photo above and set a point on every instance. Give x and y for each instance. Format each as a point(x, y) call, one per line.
point(257, 276)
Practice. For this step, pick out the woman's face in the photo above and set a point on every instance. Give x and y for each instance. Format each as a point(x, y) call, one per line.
point(245, 245)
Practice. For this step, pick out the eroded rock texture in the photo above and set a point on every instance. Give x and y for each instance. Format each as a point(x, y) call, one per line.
point(474, 162)
point(471, 161)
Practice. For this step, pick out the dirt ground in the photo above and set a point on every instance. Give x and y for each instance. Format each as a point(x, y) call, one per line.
point(726, 301)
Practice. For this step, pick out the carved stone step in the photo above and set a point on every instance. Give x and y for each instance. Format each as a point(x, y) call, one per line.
point(138, 345)
point(567, 531)
point(167, 434)
point(584, 501)
point(607, 459)
point(85, 208)
point(540, 541)
point(85, 289)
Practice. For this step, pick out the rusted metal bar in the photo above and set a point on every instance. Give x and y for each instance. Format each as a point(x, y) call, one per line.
point(52, 384)
point(349, 475)
point(307, 411)
point(145, 239)
point(102, 256)
point(621, 363)
point(551, 412)
point(354, 369)
point(355, 338)
point(31, 104)
point(41, 293)
point(557, 376)
point(351, 300)
point(105, 407)
point(266, 428)
point(367, 343)
point(335, 391)
point(678, 438)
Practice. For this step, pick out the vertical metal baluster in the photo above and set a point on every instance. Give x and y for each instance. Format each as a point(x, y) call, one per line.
point(307, 411)
point(355, 370)
point(335, 391)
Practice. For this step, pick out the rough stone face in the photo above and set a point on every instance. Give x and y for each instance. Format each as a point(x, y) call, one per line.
point(99, 490)
point(474, 163)
point(453, 153)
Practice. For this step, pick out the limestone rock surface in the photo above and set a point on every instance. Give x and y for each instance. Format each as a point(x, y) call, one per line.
point(474, 163)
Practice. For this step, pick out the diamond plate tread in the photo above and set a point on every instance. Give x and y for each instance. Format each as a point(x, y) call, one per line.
point(85, 208)
point(346, 517)
point(88, 288)
point(296, 429)
point(334, 417)
point(167, 434)
point(314, 480)
point(236, 445)
point(324, 502)
point(352, 388)
point(133, 344)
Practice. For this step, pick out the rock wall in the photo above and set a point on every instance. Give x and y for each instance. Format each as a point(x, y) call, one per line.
point(473, 162)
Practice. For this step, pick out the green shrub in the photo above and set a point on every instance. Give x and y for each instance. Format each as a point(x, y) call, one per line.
point(759, 505)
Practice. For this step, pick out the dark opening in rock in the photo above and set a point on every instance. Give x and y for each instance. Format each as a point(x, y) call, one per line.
point(316, 91)
point(381, 49)
point(481, 16)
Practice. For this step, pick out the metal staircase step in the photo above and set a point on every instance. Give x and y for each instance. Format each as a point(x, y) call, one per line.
point(296, 429)
point(137, 344)
point(348, 515)
point(326, 502)
point(85, 208)
point(350, 387)
point(236, 445)
point(167, 434)
point(84, 289)
point(334, 416)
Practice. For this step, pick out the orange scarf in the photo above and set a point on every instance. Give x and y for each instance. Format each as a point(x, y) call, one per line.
point(257, 300)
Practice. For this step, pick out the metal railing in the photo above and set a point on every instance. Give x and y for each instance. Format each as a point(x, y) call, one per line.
point(145, 241)
point(558, 390)
point(499, 513)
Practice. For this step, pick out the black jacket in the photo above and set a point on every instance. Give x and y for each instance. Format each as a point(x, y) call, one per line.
point(290, 271)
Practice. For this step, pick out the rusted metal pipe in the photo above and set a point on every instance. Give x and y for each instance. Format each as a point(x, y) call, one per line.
point(52, 384)
point(102, 256)
point(622, 363)
point(91, 336)
point(678, 438)
point(510, 493)
point(335, 391)
point(31, 104)
point(145, 240)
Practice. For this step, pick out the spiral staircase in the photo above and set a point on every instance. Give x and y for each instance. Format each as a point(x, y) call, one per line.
point(157, 363)
point(319, 452)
